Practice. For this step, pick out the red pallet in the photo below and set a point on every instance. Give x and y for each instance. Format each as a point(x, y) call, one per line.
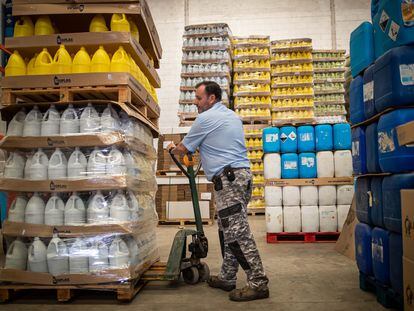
point(302, 237)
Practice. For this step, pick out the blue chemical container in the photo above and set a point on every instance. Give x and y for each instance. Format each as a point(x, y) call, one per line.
point(288, 139)
point(362, 197)
point(363, 254)
point(271, 141)
point(290, 167)
point(307, 165)
point(306, 138)
point(359, 155)
point(356, 100)
point(394, 158)
point(362, 48)
point(391, 199)
point(368, 91)
point(324, 137)
point(377, 216)
point(342, 136)
point(381, 255)
point(396, 265)
point(393, 78)
point(371, 139)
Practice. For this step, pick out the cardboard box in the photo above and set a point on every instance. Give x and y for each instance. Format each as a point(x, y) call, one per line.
point(407, 217)
point(183, 210)
point(346, 242)
point(408, 284)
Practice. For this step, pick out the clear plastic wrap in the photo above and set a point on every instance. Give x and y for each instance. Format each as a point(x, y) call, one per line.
point(242, 52)
point(293, 91)
point(292, 103)
point(247, 76)
point(205, 68)
point(239, 102)
point(329, 75)
point(330, 98)
point(189, 96)
point(214, 55)
point(330, 87)
point(291, 56)
point(302, 79)
point(218, 28)
point(249, 63)
point(294, 114)
point(253, 113)
point(192, 82)
point(251, 40)
point(324, 54)
point(221, 42)
point(329, 65)
point(291, 43)
point(292, 68)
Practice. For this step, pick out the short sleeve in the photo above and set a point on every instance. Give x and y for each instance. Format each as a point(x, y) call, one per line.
point(198, 132)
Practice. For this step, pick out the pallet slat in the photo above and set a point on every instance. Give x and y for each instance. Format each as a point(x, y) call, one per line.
point(302, 237)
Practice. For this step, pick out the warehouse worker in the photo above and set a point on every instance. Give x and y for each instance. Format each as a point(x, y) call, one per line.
point(218, 133)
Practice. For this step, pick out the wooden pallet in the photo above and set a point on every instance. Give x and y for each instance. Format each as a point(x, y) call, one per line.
point(302, 237)
point(256, 211)
point(183, 222)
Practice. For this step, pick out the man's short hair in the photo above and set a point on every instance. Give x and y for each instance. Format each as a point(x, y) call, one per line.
point(211, 88)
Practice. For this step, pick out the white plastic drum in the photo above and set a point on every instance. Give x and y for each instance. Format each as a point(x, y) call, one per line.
point(292, 219)
point(291, 196)
point(344, 194)
point(327, 195)
point(325, 164)
point(309, 195)
point(310, 218)
point(273, 196)
point(328, 218)
point(343, 211)
point(274, 219)
point(272, 166)
point(343, 163)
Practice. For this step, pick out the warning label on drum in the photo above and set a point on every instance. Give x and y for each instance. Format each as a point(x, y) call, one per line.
point(384, 20)
point(394, 30)
point(407, 74)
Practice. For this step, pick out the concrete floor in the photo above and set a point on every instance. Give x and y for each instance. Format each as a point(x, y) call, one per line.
point(302, 277)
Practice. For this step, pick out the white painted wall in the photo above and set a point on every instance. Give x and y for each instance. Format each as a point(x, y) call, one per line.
point(280, 19)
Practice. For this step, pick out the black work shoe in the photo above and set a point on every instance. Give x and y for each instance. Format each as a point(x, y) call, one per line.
point(247, 293)
point(215, 282)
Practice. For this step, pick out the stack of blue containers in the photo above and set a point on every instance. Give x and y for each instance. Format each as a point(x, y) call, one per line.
point(380, 95)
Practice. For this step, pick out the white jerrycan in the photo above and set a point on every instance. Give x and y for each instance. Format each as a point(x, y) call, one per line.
point(115, 163)
point(17, 209)
point(118, 254)
point(131, 166)
point(69, 121)
point(58, 165)
point(37, 258)
point(119, 209)
point(57, 256)
point(133, 205)
point(38, 166)
point(89, 120)
point(77, 164)
point(35, 210)
point(97, 163)
point(33, 122)
point(54, 211)
point(110, 120)
point(98, 210)
point(78, 257)
point(51, 122)
point(98, 256)
point(16, 125)
point(27, 165)
point(133, 250)
point(14, 167)
point(16, 257)
point(75, 211)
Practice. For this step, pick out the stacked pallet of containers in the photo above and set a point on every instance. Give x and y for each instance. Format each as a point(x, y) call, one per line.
point(251, 94)
point(206, 56)
point(83, 165)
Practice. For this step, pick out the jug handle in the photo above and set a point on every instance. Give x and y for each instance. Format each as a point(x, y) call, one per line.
point(48, 58)
point(11, 249)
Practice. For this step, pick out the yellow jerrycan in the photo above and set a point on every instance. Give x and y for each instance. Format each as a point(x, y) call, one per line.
point(100, 61)
point(62, 62)
point(98, 24)
point(134, 67)
point(119, 22)
point(43, 63)
point(43, 26)
point(31, 65)
point(23, 27)
point(15, 66)
point(81, 62)
point(134, 29)
point(120, 61)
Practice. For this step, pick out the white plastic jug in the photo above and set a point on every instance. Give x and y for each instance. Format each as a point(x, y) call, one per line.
point(69, 121)
point(344, 194)
point(54, 211)
point(292, 219)
point(16, 125)
point(133, 250)
point(33, 122)
point(77, 164)
point(131, 166)
point(90, 121)
point(51, 122)
point(98, 210)
point(37, 258)
point(16, 256)
point(110, 120)
point(127, 126)
point(272, 166)
point(118, 254)
point(310, 218)
point(343, 163)
point(35, 210)
point(133, 205)
point(38, 166)
point(98, 256)
point(291, 196)
point(327, 195)
point(343, 211)
point(78, 257)
point(14, 167)
point(17, 209)
point(118, 208)
point(116, 164)
point(57, 256)
point(273, 196)
point(97, 163)
point(274, 219)
point(325, 164)
point(328, 218)
point(58, 165)
point(75, 211)
point(27, 165)
point(309, 195)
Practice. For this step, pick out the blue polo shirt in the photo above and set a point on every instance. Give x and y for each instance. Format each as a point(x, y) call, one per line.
point(218, 132)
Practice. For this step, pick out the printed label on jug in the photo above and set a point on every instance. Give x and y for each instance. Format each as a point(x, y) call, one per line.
point(290, 165)
point(271, 138)
point(306, 136)
point(407, 9)
point(292, 135)
point(386, 141)
point(283, 137)
point(394, 30)
point(384, 20)
point(309, 162)
point(368, 91)
point(407, 74)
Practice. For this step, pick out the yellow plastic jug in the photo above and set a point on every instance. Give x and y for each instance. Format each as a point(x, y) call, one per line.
point(100, 61)
point(43, 26)
point(43, 63)
point(133, 66)
point(31, 64)
point(119, 22)
point(120, 61)
point(62, 62)
point(134, 29)
point(98, 24)
point(81, 62)
point(15, 66)
point(23, 27)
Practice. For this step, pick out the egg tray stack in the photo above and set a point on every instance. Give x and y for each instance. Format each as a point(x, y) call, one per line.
point(206, 56)
point(292, 82)
point(329, 79)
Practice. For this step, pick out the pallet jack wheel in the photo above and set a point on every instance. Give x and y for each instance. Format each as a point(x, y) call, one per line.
point(191, 275)
point(204, 272)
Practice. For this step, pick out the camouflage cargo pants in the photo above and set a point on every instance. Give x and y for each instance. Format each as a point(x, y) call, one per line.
point(239, 244)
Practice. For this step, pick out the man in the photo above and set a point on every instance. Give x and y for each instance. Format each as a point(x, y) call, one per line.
point(218, 133)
